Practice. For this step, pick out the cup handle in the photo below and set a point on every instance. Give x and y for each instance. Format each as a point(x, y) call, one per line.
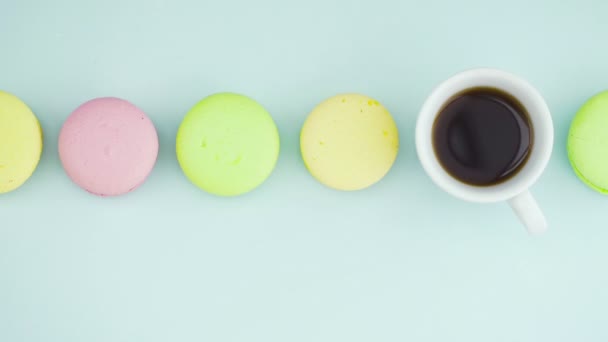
point(529, 213)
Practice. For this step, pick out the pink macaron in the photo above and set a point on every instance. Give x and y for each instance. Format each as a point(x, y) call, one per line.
point(108, 146)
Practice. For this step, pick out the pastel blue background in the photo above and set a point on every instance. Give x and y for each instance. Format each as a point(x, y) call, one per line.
point(294, 261)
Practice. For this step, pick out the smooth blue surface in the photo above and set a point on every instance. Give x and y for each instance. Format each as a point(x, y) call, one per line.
point(294, 261)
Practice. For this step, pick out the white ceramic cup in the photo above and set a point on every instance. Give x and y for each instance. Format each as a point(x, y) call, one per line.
point(515, 189)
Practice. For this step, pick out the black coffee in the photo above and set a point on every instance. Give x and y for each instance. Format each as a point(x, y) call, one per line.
point(482, 136)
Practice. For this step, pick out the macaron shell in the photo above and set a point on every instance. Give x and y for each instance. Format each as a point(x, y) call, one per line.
point(588, 143)
point(108, 146)
point(349, 142)
point(20, 142)
point(227, 144)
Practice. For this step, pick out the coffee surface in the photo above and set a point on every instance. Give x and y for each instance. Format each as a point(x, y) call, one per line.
point(482, 136)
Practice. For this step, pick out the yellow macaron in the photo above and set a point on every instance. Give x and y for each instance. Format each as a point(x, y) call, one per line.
point(20, 142)
point(349, 142)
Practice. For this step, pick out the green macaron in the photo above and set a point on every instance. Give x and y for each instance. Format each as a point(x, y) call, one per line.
point(588, 143)
point(228, 144)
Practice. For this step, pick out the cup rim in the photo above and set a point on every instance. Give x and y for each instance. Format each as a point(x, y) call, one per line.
point(539, 114)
